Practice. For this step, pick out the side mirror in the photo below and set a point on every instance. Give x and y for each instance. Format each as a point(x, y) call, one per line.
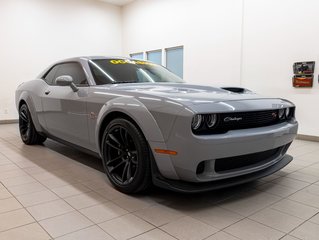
point(66, 80)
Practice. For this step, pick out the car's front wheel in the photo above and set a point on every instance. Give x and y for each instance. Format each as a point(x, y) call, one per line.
point(126, 156)
point(28, 133)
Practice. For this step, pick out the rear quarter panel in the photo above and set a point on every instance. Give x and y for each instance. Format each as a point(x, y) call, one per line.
point(30, 92)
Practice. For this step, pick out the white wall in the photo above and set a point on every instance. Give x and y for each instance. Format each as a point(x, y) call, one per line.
point(231, 42)
point(36, 33)
point(209, 30)
point(277, 34)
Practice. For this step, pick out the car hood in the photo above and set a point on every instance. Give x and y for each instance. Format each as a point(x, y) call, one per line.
point(184, 93)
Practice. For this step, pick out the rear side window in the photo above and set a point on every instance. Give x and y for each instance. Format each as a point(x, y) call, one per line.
point(49, 77)
point(74, 70)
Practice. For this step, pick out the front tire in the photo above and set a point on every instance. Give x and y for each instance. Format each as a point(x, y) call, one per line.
point(126, 156)
point(28, 133)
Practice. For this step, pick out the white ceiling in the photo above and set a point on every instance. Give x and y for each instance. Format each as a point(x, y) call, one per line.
point(118, 2)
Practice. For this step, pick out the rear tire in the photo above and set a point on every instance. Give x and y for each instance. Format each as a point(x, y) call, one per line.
point(28, 133)
point(126, 157)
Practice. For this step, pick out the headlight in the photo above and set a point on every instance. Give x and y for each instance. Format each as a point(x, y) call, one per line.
point(197, 121)
point(287, 112)
point(211, 120)
point(281, 113)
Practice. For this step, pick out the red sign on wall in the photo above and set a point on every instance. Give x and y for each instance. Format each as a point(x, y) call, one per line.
point(302, 80)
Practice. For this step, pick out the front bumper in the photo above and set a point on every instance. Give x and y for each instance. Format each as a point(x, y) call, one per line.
point(193, 150)
point(191, 187)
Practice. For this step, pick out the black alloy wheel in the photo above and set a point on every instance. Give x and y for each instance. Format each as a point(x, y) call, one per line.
point(24, 122)
point(28, 133)
point(122, 158)
point(126, 156)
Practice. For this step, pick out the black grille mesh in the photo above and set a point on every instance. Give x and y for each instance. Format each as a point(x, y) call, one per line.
point(248, 119)
point(243, 120)
point(232, 163)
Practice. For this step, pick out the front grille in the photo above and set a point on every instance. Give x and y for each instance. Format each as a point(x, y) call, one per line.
point(243, 120)
point(248, 119)
point(237, 162)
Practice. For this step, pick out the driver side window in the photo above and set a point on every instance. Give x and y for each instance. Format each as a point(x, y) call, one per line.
point(74, 70)
point(50, 76)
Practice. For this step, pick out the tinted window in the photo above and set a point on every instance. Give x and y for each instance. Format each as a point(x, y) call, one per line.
point(107, 71)
point(74, 70)
point(50, 75)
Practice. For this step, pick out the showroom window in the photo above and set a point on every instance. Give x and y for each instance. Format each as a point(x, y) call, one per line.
point(174, 60)
point(155, 56)
point(137, 55)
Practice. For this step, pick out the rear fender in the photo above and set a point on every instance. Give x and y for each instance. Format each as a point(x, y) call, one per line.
point(24, 96)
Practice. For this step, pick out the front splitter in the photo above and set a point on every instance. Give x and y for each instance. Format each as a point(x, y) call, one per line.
point(191, 187)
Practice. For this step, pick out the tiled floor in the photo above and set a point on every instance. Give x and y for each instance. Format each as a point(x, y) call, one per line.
point(55, 192)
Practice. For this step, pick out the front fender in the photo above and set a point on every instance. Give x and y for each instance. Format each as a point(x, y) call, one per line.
point(146, 122)
point(137, 111)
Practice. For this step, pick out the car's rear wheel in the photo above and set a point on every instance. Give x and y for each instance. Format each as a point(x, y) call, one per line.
point(126, 156)
point(28, 133)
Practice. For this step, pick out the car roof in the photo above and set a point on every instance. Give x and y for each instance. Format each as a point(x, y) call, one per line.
point(85, 58)
point(92, 58)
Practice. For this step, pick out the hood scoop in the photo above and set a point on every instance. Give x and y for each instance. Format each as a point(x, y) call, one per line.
point(237, 90)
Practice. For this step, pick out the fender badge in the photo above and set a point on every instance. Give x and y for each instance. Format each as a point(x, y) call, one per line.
point(92, 115)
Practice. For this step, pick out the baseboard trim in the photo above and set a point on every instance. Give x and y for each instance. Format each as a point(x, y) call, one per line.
point(308, 137)
point(9, 121)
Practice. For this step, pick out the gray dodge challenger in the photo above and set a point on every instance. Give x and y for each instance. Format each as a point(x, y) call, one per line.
point(150, 127)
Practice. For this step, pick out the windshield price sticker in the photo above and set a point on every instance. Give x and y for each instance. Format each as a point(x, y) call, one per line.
point(127, 61)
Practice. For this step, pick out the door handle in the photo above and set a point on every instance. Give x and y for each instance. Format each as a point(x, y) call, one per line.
point(47, 92)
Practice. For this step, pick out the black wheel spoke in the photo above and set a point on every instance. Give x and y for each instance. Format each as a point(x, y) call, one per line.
point(23, 122)
point(124, 171)
point(23, 117)
point(115, 159)
point(23, 128)
point(113, 146)
point(121, 155)
point(124, 138)
point(118, 165)
point(115, 139)
point(128, 172)
point(28, 133)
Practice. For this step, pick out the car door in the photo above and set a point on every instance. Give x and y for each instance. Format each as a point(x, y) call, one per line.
point(64, 109)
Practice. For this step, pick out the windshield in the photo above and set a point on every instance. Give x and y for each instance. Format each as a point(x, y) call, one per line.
point(106, 71)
